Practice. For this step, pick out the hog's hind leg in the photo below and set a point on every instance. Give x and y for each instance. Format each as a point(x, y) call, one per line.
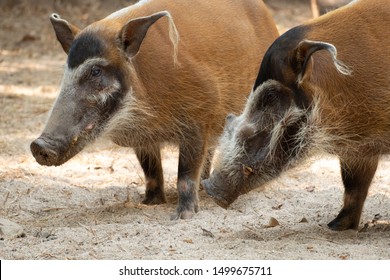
point(150, 160)
point(357, 175)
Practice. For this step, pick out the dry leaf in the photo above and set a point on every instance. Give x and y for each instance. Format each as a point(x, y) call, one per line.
point(272, 223)
point(277, 207)
point(377, 217)
point(343, 256)
point(304, 220)
point(223, 230)
point(364, 228)
point(171, 249)
point(310, 188)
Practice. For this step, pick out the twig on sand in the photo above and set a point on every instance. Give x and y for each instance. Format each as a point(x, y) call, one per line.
point(254, 232)
point(207, 233)
point(324, 239)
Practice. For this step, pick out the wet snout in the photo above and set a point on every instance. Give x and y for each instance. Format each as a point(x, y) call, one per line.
point(44, 152)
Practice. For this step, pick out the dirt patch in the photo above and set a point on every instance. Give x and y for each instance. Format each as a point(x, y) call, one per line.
point(90, 208)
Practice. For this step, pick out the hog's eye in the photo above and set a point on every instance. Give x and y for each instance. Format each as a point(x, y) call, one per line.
point(95, 71)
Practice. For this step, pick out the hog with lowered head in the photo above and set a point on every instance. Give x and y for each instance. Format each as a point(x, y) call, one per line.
point(156, 72)
point(323, 86)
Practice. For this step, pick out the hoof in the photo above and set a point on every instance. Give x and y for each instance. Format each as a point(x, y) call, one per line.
point(154, 198)
point(184, 215)
point(343, 223)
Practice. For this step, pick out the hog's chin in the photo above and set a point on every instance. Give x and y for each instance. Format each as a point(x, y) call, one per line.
point(63, 158)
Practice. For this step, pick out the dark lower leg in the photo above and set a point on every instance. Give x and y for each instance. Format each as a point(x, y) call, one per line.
point(191, 160)
point(150, 160)
point(357, 175)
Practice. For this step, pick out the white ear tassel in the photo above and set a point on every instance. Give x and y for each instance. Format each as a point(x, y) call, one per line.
point(340, 66)
point(173, 36)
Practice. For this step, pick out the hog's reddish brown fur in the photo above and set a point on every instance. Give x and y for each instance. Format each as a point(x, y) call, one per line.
point(174, 84)
point(323, 86)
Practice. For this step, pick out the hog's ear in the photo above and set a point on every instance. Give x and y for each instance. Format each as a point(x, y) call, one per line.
point(301, 61)
point(65, 31)
point(134, 32)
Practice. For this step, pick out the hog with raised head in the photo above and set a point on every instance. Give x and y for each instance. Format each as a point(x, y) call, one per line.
point(323, 86)
point(159, 71)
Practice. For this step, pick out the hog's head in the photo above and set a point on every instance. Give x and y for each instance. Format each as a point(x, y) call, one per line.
point(257, 145)
point(94, 86)
point(277, 125)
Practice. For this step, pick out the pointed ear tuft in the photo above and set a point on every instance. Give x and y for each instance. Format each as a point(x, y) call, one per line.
point(302, 56)
point(65, 32)
point(134, 32)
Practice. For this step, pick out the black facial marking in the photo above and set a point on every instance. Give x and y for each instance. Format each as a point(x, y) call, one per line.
point(84, 47)
point(275, 61)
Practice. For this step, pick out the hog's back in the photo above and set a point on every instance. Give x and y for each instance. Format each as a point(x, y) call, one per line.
point(221, 44)
point(354, 109)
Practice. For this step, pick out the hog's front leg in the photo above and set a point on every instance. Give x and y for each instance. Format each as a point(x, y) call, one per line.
point(192, 156)
point(150, 160)
point(357, 175)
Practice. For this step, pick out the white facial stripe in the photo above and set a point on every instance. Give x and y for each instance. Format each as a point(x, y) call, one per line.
point(102, 97)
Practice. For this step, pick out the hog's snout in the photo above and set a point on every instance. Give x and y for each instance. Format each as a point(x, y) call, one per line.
point(43, 152)
point(222, 196)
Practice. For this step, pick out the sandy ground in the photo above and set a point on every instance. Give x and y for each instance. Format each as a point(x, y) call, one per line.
point(90, 208)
